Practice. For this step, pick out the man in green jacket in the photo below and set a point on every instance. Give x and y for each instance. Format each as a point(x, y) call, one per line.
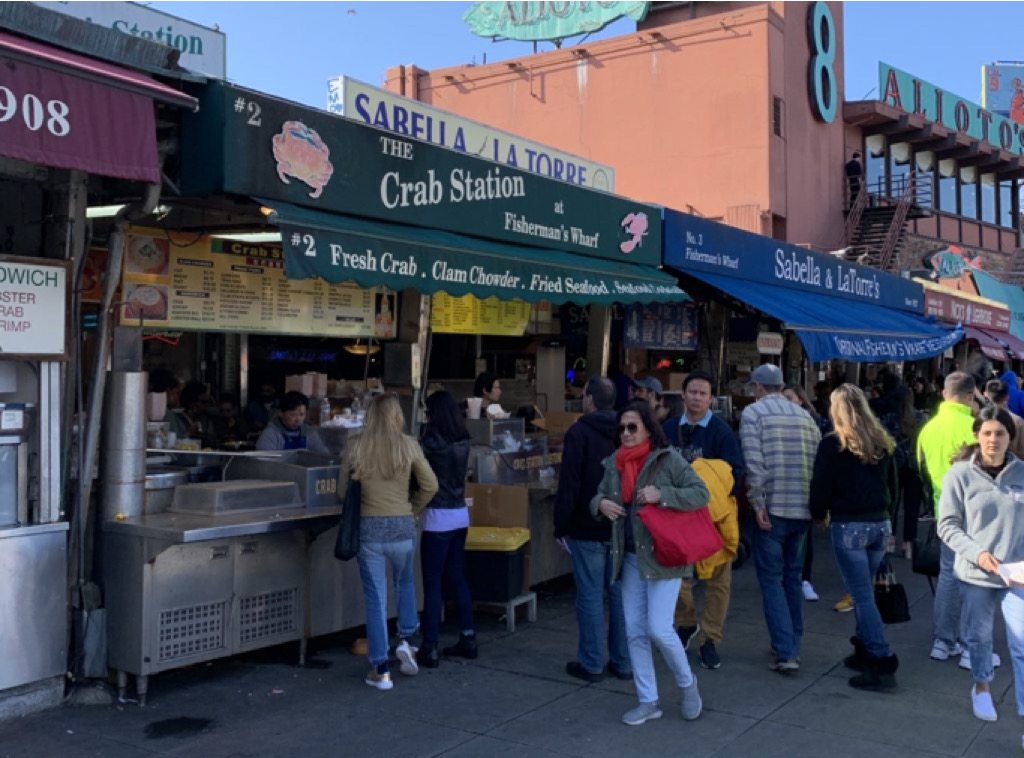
point(939, 440)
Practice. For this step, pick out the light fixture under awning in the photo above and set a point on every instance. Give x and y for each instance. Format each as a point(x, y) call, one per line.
point(371, 253)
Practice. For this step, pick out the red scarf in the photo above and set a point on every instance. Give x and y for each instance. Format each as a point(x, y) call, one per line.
point(629, 461)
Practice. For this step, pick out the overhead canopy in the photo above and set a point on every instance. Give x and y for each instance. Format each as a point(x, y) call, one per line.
point(832, 328)
point(341, 248)
point(990, 346)
point(1012, 344)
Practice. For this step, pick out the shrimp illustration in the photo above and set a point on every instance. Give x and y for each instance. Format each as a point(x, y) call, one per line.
point(635, 225)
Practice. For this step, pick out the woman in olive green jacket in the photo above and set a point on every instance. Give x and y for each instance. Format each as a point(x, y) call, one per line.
point(646, 471)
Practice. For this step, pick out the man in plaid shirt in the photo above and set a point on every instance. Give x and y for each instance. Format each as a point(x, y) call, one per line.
point(779, 441)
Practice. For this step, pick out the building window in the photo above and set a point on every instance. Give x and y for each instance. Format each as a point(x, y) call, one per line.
point(969, 192)
point(947, 186)
point(1006, 203)
point(874, 164)
point(987, 189)
point(777, 116)
point(900, 155)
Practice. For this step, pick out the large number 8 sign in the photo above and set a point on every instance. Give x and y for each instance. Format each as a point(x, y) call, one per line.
point(821, 74)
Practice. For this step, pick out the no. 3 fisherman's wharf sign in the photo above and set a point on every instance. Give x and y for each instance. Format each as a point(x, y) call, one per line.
point(539, 20)
point(248, 143)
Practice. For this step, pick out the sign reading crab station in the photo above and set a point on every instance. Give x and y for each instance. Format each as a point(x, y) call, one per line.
point(33, 308)
point(248, 143)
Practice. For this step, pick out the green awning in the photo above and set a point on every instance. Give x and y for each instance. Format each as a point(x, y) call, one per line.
point(341, 248)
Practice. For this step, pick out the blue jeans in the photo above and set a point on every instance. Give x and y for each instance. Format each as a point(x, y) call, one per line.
point(979, 615)
point(779, 558)
point(374, 558)
point(592, 570)
point(442, 557)
point(947, 625)
point(859, 547)
point(648, 607)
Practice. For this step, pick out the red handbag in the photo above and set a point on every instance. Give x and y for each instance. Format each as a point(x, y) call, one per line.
point(681, 538)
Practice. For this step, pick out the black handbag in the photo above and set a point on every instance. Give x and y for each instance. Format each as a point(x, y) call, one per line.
point(927, 548)
point(891, 596)
point(347, 545)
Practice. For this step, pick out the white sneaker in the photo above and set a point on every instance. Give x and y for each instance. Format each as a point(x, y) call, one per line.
point(942, 652)
point(983, 706)
point(809, 593)
point(965, 660)
point(407, 659)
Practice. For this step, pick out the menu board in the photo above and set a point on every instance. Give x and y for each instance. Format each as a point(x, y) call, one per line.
point(471, 315)
point(662, 326)
point(180, 281)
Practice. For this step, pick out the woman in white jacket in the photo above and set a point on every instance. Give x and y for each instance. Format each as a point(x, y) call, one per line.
point(981, 518)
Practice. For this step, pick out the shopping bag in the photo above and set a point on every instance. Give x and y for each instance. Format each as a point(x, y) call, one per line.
point(891, 596)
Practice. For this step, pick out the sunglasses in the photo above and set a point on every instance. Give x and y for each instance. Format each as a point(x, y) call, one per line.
point(629, 429)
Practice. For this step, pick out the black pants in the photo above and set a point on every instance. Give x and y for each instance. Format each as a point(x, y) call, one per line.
point(442, 557)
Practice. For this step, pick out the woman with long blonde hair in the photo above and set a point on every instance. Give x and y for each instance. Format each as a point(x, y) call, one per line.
point(855, 483)
point(385, 460)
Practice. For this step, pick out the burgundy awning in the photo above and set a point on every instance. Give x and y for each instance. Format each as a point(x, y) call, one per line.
point(65, 110)
point(990, 346)
point(1015, 344)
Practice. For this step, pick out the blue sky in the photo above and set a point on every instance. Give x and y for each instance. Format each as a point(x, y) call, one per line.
point(290, 49)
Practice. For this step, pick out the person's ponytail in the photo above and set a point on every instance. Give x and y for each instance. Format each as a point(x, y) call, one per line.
point(965, 453)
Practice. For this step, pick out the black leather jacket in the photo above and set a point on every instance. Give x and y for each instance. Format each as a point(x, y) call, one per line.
point(449, 461)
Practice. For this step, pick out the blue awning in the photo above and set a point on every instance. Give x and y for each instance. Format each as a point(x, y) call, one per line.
point(831, 327)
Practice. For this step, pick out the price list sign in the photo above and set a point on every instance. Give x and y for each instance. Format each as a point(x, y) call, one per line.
point(177, 281)
point(471, 315)
point(662, 326)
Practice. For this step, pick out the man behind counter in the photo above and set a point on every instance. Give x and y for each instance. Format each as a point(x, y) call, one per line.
point(289, 430)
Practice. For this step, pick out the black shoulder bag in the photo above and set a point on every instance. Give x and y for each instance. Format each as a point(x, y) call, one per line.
point(347, 545)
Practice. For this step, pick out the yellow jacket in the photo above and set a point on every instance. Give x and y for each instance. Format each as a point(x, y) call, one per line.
point(717, 477)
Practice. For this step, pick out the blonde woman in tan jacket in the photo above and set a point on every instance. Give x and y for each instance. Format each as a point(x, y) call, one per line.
point(385, 460)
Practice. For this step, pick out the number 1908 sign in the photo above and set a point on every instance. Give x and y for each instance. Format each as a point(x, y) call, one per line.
point(34, 112)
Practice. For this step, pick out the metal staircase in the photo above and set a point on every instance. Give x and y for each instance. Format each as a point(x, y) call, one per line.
point(876, 223)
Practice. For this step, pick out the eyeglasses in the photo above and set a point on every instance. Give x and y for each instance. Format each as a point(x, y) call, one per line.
point(629, 429)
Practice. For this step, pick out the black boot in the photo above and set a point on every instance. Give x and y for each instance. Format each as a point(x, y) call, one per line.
point(860, 660)
point(879, 676)
point(464, 648)
point(427, 657)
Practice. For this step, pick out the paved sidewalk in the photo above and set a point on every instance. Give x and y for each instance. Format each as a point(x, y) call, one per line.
point(517, 700)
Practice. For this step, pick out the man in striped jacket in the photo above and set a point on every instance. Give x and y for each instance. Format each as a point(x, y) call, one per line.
point(779, 441)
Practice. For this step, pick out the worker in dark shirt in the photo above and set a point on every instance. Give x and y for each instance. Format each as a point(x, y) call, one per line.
point(854, 176)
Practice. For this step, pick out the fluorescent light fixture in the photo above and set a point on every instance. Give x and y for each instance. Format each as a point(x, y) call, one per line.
point(253, 237)
point(102, 211)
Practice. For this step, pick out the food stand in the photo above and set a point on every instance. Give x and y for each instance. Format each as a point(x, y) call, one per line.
point(358, 211)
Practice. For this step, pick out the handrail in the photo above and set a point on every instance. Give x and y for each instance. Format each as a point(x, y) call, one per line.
point(860, 201)
point(907, 198)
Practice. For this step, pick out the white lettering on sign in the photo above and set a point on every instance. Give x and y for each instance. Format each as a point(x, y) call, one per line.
point(33, 309)
point(463, 187)
point(770, 343)
point(34, 112)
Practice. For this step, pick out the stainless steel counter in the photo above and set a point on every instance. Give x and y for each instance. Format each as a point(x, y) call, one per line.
point(190, 527)
point(31, 529)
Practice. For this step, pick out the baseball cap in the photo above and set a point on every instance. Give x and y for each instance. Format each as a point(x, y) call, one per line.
point(649, 383)
point(767, 375)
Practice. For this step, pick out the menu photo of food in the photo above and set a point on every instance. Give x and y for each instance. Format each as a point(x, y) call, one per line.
point(146, 302)
point(148, 255)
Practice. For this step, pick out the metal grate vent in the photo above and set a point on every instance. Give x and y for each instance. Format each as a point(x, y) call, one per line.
point(185, 632)
point(266, 615)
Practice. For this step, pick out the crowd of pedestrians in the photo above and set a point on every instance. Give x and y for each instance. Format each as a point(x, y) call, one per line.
point(852, 459)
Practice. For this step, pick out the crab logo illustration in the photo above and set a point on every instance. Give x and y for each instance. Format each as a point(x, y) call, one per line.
point(635, 225)
point(301, 154)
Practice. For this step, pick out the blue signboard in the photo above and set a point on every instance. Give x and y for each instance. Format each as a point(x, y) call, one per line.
point(696, 244)
point(1010, 294)
point(662, 326)
point(1002, 91)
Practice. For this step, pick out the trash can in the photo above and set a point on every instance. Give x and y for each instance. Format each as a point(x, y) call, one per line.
point(494, 562)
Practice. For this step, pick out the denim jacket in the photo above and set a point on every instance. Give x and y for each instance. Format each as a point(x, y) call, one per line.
point(681, 490)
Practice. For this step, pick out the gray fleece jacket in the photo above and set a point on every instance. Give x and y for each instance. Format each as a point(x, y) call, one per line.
point(978, 513)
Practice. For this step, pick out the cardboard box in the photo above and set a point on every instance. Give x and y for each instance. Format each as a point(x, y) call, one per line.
point(499, 505)
point(299, 383)
point(675, 381)
point(319, 384)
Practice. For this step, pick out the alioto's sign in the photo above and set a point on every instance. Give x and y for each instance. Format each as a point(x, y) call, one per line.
point(908, 93)
point(247, 143)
